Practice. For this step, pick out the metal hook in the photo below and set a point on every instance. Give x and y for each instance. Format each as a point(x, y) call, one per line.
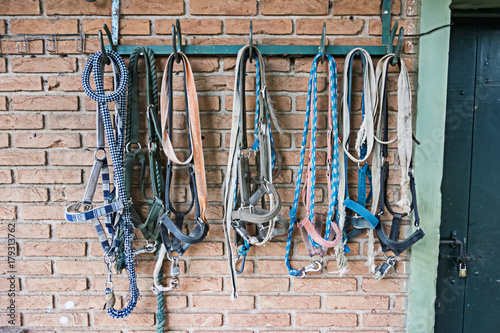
point(176, 40)
point(51, 44)
point(110, 39)
point(322, 45)
point(250, 55)
point(393, 35)
point(26, 47)
point(399, 47)
point(103, 50)
point(80, 44)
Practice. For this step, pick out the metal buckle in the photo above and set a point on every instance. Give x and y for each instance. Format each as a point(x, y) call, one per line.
point(95, 154)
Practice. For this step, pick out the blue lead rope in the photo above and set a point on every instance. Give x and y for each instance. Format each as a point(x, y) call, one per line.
point(312, 92)
point(115, 138)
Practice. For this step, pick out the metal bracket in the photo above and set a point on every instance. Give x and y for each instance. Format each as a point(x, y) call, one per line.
point(115, 21)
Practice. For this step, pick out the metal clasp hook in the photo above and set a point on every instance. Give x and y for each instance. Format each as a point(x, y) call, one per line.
point(315, 266)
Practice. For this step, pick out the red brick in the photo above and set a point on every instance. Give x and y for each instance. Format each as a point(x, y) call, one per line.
point(333, 27)
point(53, 176)
point(190, 26)
point(20, 83)
point(412, 7)
point(289, 302)
point(294, 7)
point(357, 302)
point(200, 284)
point(31, 302)
point(384, 285)
point(214, 267)
point(4, 140)
point(53, 249)
point(268, 249)
point(26, 267)
point(382, 320)
point(3, 63)
point(73, 302)
point(223, 7)
point(151, 7)
point(127, 26)
point(43, 26)
point(68, 193)
point(45, 103)
point(43, 65)
point(5, 177)
point(71, 157)
point(205, 249)
point(22, 158)
point(410, 27)
point(258, 320)
point(6, 284)
point(171, 302)
point(56, 284)
point(7, 213)
point(32, 47)
point(102, 319)
point(74, 7)
point(79, 121)
point(271, 27)
point(331, 285)
point(363, 7)
point(222, 302)
point(194, 319)
point(24, 194)
point(42, 212)
point(47, 140)
point(6, 321)
point(20, 7)
point(326, 319)
point(67, 267)
point(56, 319)
point(262, 284)
point(27, 230)
point(287, 83)
point(3, 103)
point(21, 121)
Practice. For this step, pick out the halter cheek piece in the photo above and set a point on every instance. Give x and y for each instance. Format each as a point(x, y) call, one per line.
point(314, 242)
point(172, 221)
point(242, 191)
point(405, 143)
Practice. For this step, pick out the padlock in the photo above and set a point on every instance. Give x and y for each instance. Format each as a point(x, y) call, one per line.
point(462, 270)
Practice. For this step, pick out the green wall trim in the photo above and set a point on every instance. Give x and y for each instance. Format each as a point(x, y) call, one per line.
point(430, 130)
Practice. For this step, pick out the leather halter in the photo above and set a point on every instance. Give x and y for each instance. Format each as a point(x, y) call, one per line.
point(314, 242)
point(173, 238)
point(149, 227)
point(242, 191)
point(405, 143)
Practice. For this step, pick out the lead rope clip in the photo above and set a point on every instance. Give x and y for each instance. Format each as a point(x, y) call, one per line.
point(382, 269)
point(315, 266)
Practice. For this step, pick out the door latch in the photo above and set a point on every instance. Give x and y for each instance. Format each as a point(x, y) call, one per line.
point(461, 259)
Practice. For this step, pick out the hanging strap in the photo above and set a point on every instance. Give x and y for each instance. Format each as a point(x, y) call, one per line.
point(115, 137)
point(242, 192)
point(405, 147)
point(313, 237)
point(198, 186)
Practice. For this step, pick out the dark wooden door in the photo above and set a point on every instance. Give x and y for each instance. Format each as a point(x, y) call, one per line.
point(471, 184)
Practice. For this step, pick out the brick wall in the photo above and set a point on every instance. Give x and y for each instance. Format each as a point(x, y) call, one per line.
point(47, 122)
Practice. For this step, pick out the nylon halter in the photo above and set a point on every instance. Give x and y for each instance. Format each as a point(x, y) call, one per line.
point(149, 227)
point(360, 218)
point(405, 140)
point(117, 214)
point(312, 238)
point(173, 238)
point(242, 191)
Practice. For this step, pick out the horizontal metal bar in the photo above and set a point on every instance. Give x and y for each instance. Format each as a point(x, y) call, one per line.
point(277, 50)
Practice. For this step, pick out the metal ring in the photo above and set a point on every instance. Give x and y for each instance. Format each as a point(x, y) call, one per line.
point(95, 154)
point(127, 147)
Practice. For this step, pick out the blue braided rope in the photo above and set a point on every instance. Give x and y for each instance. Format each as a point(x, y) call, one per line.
point(116, 148)
point(312, 92)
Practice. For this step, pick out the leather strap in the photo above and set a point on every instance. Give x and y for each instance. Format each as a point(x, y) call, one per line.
point(180, 241)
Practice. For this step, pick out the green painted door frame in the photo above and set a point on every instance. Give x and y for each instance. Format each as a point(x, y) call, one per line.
point(430, 130)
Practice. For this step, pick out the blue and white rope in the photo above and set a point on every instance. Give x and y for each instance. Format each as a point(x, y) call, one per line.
point(312, 92)
point(115, 140)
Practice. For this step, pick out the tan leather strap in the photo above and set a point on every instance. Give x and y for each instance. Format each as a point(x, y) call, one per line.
point(195, 133)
